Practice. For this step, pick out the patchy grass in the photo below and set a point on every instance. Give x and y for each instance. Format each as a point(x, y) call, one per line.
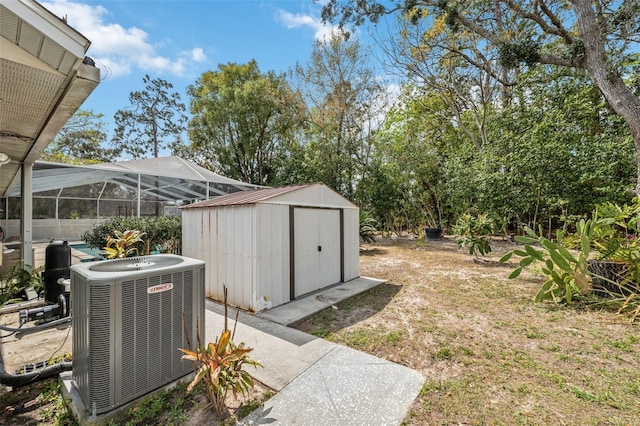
point(42, 404)
point(39, 403)
point(488, 353)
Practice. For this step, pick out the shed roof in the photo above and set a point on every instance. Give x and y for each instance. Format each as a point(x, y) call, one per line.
point(277, 194)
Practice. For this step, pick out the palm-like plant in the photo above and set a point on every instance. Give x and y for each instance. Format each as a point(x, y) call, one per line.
point(221, 365)
point(367, 226)
point(122, 244)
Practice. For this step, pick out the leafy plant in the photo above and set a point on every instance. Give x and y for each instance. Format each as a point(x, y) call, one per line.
point(567, 275)
point(161, 233)
point(616, 239)
point(475, 233)
point(16, 281)
point(221, 365)
point(122, 245)
point(367, 226)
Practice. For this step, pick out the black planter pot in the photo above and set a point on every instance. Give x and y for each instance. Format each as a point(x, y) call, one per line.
point(609, 279)
point(433, 234)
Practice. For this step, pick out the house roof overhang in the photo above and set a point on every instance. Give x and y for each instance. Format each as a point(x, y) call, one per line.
point(44, 79)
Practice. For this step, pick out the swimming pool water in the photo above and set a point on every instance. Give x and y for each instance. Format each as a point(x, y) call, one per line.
point(86, 249)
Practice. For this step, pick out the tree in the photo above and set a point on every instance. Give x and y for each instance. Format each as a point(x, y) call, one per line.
point(346, 103)
point(243, 121)
point(80, 141)
point(413, 145)
point(596, 37)
point(154, 120)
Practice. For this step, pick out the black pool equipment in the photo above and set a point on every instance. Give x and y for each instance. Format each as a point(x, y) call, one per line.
point(57, 267)
point(57, 264)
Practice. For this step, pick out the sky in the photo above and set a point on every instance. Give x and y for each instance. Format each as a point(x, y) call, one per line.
point(179, 40)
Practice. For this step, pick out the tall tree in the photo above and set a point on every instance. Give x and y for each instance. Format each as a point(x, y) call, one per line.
point(346, 104)
point(595, 36)
point(80, 141)
point(243, 121)
point(154, 120)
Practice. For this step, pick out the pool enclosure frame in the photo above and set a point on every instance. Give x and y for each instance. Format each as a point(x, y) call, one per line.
point(69, 199)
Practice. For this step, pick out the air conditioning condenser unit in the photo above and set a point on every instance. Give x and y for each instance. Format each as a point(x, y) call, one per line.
point(130, 317)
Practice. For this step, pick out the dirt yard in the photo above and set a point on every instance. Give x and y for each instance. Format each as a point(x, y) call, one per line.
point(489, 354)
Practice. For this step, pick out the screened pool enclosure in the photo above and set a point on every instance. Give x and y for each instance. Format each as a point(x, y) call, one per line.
point(68, 199)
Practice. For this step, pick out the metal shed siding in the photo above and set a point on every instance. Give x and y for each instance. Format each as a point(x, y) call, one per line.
point(247, 246)
point(273, 255)
point(235, 254)
point(224, 238)
point(351, 244)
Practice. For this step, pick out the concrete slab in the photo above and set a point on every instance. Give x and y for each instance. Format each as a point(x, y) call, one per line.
point(300, 309)
point(345, 387)
point(317, 382)
point(284, 352)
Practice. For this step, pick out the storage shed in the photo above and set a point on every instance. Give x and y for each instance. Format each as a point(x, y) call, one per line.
point(273, 245)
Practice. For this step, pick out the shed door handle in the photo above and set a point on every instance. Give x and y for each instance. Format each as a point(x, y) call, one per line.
point(319, 248)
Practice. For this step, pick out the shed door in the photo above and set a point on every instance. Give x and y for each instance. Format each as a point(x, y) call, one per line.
point(316, 249)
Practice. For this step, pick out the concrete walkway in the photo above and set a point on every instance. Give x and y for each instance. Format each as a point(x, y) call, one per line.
point(317, 382)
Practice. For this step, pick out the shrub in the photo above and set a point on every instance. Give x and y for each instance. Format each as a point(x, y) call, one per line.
point(122, 244)
point(367, 226)
point(475, 233)
point(162, 233)
point(221, 366)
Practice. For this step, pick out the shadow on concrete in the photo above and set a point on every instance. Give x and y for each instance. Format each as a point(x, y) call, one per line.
point(349, 311)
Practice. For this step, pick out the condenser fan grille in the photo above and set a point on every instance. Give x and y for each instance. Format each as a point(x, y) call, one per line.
point(130, 317)
point(143, 263)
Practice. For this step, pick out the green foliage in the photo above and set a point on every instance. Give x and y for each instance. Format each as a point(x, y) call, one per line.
point(513, 53)
point(122, 244)
point(343, 97)
point(58, 411)
point(475, 233)
point(80, 141)
point(155, 119)
point(243, 122)
point(406, 186)
point(612, 236)
point(162, 233)
point(16, 281)
point(567, 275)
point(367, 227)
point(220, 365)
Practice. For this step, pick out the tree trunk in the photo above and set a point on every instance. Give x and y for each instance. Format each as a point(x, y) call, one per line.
point(620, 97)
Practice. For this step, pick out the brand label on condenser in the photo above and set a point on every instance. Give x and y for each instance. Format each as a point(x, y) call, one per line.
point(160, 288)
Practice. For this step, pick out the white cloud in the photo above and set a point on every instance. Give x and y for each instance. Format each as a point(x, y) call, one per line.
point(290, 20)
point(115, 48)
point(197, 55)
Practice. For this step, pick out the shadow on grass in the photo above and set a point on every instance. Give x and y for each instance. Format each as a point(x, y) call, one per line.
point(350, 311)
point(375, 251)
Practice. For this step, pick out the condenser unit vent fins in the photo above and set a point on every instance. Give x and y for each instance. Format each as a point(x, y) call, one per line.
point(129, 320)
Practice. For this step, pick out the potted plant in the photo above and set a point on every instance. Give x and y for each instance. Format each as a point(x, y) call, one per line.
point(615, 239)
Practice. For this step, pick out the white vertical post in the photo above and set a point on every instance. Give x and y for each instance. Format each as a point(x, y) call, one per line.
point(139, 186)
point(26, 209)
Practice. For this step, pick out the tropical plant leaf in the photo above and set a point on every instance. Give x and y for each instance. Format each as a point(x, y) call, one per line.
point(559, 260)
point(549, 245)
point(516, 272)
point(526, 240)
point(567, 254)
point(526, 261)
point(506, 257)
point(536, 254)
